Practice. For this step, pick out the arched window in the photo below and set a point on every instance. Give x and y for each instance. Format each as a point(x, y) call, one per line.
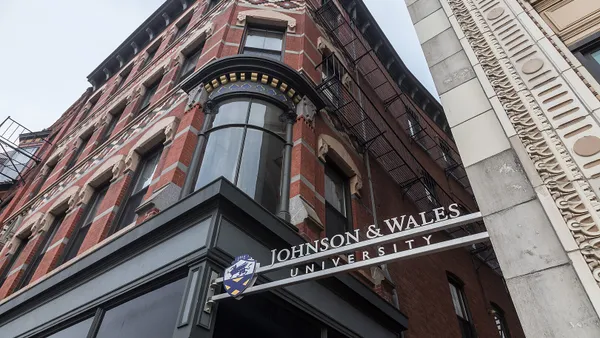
point(500, 321)
point(245, 144)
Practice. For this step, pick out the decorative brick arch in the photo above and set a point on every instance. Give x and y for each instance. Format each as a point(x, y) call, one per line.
point(329, 147)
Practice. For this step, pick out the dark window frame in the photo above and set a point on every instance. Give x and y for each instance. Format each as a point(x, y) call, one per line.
point(150, 55)
point(195, 54)
point(114, 120)
point(182, 28)
point(85, 140)
point(465, 324)
point(583, 50)
point(131, 193)
point(269, 29)
point(96, 313)
point(332, 169)
point(500, 320)
point(40, 251)
point(84, 224)
point(149, 92)
point(210, 4)
point(123, 75)
point(13, 259)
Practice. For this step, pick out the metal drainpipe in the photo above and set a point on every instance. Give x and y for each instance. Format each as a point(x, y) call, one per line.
point(190, 178)
point(286, 180)
point(384, 267)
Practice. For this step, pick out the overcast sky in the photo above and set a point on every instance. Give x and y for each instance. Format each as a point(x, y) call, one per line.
point(50, 46)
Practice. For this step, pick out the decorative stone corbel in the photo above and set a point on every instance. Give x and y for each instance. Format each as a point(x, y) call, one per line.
point(118, 169)
point(121, 60)
point(324, 46)
point(135, 48)
point(208, 29)
point(39, 225)
point(170, 131)
point(322, 149)
point(73, 201)
point(132, 161)
point(166, 18)
point(106, 73)
point(355, 185)
point(306, 109)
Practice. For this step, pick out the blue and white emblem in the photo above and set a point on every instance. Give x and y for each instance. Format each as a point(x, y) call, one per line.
point(240, 275)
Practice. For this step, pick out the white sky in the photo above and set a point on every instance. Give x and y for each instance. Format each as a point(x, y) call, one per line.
point(49, 48)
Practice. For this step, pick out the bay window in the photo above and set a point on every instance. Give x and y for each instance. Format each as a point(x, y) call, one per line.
point(245, 144)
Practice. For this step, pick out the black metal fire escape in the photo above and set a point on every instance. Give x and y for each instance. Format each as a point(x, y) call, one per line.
point(16, 156)
point(367, 122)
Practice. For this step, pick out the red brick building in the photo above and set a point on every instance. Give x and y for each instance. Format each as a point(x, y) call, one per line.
point(221, 128)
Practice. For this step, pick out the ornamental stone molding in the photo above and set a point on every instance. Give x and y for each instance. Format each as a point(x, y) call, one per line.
point(269, 16)
point(307, 110)
point(329, 147)
point(162, 131)
point(55, 194)
point(554, 125)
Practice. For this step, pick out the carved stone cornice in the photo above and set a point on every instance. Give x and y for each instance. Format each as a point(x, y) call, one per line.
point(553, 161)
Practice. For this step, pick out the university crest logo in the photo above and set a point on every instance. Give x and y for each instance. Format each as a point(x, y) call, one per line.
point(240, 275)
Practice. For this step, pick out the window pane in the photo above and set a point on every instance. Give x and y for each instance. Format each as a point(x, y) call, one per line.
point(18, 161)
point(96, 200)
point(41, 250)
point(221, 155)
point(335, 223)
point(456, 300)
point(334, 191)
point(129, 211)
point(76, 331)
point(255, 38)
point(263, 53)
point(232, 112)
point(266, 115)
point(152, 315)
point(273, 41)
point(260, 170)
point(147, 172)
point(596, 55)
point(190, 62)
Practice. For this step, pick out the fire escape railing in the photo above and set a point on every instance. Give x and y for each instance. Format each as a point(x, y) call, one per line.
point(15, 159)
point(364, 59)
point(353, 109)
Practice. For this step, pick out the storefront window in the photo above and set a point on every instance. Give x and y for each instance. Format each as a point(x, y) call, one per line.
point(152, 315)
point(78, 330)
point(245, 145)
point(259, 316)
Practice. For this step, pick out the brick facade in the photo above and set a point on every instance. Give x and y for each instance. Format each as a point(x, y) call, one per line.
point(421, 284)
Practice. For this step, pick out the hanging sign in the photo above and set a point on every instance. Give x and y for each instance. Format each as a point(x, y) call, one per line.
point(408, 237)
